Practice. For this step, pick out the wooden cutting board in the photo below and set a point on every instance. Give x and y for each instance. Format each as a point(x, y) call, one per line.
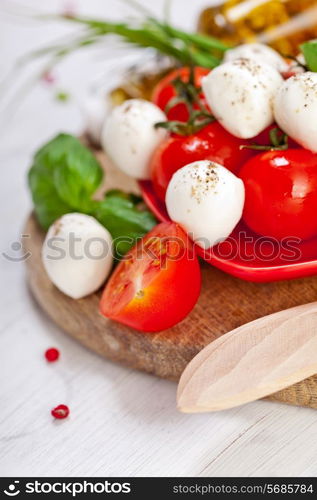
point(225, 303)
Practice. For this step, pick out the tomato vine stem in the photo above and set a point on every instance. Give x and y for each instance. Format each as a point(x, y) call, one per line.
point(189, 95)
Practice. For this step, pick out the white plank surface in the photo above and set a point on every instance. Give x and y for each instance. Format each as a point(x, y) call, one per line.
point(122, 422)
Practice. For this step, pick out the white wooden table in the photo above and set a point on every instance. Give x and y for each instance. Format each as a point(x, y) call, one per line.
point(122, 422)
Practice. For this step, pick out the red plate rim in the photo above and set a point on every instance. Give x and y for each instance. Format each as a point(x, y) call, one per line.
point(259, 270)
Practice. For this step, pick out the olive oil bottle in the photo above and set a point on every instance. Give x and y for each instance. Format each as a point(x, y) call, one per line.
point(283, 24)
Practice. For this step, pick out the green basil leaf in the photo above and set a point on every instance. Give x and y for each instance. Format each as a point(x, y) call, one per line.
point(134, 198)
point(126, 220)
point(309, 50)
point(63, 178)
point(47, 205)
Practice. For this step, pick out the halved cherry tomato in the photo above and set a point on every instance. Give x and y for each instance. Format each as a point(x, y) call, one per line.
point(157, 284)
point(165, 91)
point(281, 193)
point(212, 143)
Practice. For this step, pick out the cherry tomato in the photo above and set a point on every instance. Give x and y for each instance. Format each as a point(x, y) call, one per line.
point(211, 143)
point(157, 284)
point(281, 193)
point(165, 91)
point(292, 70)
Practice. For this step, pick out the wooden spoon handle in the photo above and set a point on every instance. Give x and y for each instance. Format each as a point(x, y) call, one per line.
point(253, 361)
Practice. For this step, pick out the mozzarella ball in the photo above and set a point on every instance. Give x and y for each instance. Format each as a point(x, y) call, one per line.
point(258, 52)
point(130, 138)
point(207, 200)
point(77, 254)
point(295, 109)
point(240, 94)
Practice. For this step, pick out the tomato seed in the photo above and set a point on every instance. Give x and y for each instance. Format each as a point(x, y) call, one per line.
point(139, 294)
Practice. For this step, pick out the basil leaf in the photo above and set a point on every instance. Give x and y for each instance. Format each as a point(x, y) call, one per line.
point(63, 178)
point(126, 220)
point(134, 198)
point(309, 50)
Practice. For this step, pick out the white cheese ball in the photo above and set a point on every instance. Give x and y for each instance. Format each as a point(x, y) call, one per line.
point(240, 95)
point(77, 254)
point(258, 52)
point(295, 109)
point(130, 138)
point(207, 200)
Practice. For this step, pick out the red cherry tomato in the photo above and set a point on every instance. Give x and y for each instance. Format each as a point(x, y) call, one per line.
point(165, 91)
point(157, 284)
point(292, 70)
point(211, 143)
point(281, 193)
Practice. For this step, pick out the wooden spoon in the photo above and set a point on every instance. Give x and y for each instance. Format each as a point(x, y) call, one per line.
point(252, 361)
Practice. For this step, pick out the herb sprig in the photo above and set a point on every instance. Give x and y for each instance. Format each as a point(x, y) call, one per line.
point(184, 47)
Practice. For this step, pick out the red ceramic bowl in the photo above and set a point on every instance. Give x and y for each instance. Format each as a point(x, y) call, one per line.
point(247, 255)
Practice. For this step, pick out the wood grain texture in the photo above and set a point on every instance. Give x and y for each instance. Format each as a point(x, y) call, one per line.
point(251, 362)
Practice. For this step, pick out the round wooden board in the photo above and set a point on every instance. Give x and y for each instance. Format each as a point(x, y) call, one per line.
point(225, 303)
